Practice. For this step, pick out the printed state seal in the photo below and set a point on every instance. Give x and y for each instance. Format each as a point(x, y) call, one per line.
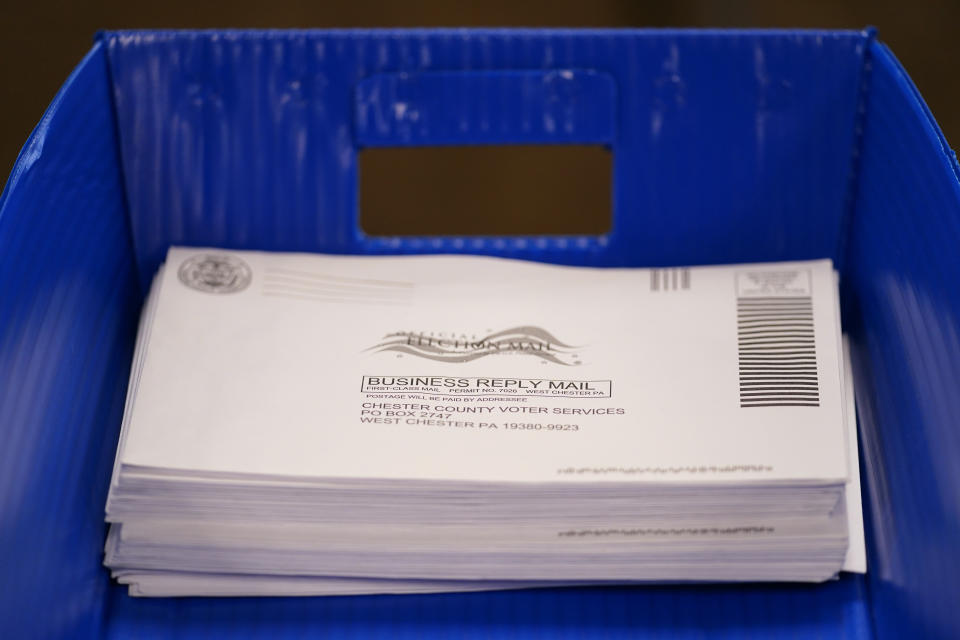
point(215, 273)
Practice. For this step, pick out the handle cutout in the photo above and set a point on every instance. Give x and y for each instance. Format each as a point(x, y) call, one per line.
point(513, 190)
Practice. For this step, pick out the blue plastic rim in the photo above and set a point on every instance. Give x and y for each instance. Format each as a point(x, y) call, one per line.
point(728, 146)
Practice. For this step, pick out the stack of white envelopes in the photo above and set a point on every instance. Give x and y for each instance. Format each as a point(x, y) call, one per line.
point(307, 424)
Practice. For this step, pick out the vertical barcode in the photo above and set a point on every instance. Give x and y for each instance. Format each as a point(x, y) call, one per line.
point(778, 359)
point(669, 279)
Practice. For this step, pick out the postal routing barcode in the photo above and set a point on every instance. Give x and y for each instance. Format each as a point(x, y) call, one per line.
point(669, 279)
point(778, 360)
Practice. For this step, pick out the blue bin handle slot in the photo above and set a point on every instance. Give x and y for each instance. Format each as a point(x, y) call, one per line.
point(554, 106)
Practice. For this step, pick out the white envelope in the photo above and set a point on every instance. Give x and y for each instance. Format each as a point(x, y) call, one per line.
point(478, 369)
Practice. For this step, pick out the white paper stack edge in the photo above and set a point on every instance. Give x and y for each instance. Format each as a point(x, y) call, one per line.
point(315, 425)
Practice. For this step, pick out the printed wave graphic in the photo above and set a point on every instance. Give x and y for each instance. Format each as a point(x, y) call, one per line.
point(525, 340)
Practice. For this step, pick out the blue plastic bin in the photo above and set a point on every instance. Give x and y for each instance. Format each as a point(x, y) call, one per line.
point(729, 146)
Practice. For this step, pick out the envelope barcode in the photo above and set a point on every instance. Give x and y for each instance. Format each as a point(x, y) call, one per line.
point(669, 279)
point(777, 354)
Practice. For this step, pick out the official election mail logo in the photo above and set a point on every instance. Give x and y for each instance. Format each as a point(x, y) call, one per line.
point(215, 273)
point(527, 341)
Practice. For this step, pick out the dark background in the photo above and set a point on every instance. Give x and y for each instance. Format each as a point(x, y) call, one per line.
point(43, 40)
